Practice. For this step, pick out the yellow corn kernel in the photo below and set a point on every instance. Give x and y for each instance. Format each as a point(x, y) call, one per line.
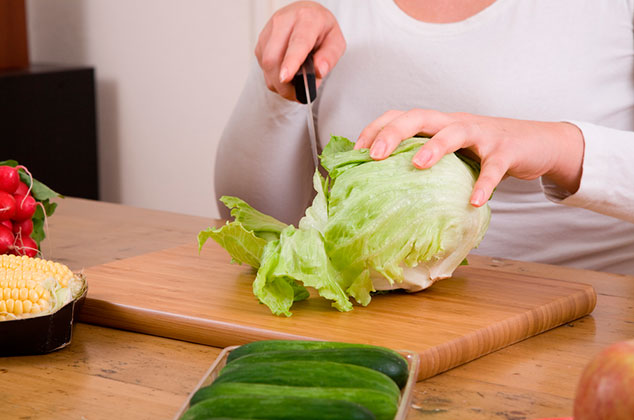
point(33, 296)
point(27, 306)
point(9, 303)
point(18, 308)
point(21, 289)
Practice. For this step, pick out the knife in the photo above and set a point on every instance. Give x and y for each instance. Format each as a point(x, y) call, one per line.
point(306, 92)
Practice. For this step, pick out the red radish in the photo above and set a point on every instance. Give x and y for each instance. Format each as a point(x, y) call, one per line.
point(9, 179)
point(25, 207)
point(7, 206)
point(6, 240)
point(24, 228)
point(7, 223)
point(22, 189)
point(27, 246)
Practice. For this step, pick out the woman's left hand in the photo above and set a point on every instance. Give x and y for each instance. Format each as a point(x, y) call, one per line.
point(520, 148)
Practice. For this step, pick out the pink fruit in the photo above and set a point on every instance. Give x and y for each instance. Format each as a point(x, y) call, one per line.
point(605, 390)
point(22, 189)
point(9, 179)
point(6, 240)
point(24, 227)
point(7, 206)
point(24, 207)
point(26, 246)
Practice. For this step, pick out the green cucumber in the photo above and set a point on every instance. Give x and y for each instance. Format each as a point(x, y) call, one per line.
point(310, 373)
point(382, 405)
point(382, 360)
point(277, 408)
point(278, 345)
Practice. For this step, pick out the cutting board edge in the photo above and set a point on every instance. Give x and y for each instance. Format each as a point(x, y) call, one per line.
point(175, 326)
point(433, 361)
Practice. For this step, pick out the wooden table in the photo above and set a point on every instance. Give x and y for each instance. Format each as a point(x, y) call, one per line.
point(112, 374)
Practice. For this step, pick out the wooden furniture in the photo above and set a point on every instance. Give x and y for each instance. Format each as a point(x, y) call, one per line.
point(109, 373)
point(14, 48)
point(48, 123)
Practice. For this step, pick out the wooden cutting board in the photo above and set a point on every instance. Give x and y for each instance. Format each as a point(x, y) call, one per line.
point(180, 294)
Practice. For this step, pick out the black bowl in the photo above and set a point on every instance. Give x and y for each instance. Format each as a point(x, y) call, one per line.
point(40, 334)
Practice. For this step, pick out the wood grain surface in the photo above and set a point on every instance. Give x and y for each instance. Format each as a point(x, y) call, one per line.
point(112, 374)
point(103, 374)
point(179, 293)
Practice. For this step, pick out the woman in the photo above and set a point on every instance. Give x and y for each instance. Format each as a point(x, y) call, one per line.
point(539, 91)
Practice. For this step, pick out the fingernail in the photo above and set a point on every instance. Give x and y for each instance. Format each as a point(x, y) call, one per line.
point(477, 199)
point(358, 144)
point(323, 68)
point(283, 74)
point(422, 158)
point(378, 149)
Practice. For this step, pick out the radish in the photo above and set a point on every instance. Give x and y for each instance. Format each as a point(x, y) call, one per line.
point(7, 206)
point(22, 189)
point(27, 246)
point(6, 240)
point(9, 179)
point(25, 207)
point(8, 224)
point(23, 228)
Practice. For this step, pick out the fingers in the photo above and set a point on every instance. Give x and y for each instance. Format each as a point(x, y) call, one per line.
point(329, 52)
point(287, 39)
point(491, 173)
point(462, 135)
point(300, 43)
point(369, 133)
point(385, 134)
point(457, 135)
point(270, 51)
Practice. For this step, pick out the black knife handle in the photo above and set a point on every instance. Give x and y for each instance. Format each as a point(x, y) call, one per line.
point(298, 81)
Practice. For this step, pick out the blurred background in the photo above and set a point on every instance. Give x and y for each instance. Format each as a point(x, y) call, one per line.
point(165, 75)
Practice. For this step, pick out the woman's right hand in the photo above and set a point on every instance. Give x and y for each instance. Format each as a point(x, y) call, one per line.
point(287, 39)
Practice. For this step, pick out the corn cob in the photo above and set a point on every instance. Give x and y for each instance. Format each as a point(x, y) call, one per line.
point(32, 286)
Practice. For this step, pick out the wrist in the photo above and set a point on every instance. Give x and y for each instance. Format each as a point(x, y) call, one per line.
point(568, 167)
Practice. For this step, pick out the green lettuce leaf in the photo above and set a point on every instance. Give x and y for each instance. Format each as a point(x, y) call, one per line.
point(373, 225)
point(300, 255)
point(241, 244)
point(245, 238)
point(262, 225)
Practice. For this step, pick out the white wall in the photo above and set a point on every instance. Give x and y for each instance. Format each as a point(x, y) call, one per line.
point(168, 75)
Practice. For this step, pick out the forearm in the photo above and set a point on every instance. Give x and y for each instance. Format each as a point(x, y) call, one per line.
point(606, 183)
point(263, 156)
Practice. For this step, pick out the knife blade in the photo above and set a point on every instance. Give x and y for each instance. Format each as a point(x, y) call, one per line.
point(306, 92)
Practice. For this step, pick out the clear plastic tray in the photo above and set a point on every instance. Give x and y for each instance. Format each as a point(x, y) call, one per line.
point(403, 405)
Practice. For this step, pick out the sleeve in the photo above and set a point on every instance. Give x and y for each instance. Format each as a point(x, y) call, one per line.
point(264, 156)
point(607, 180)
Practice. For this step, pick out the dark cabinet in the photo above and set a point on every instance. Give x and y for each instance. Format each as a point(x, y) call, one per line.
point(48, 123)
